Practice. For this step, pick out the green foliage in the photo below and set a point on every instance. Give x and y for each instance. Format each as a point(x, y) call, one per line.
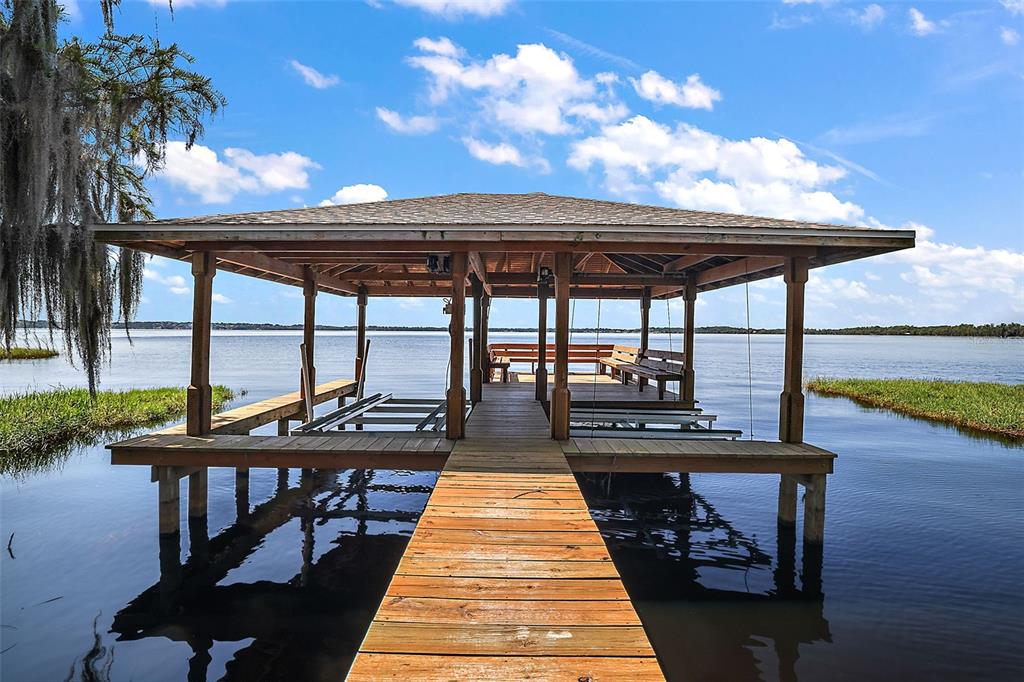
point(81, 125)
point(995, 408)
point(34, 427)
point(27, 353)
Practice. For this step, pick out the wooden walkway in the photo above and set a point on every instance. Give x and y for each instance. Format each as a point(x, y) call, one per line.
point(506, 576)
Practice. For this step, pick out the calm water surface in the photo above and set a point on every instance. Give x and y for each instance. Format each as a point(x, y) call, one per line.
point(919, 577)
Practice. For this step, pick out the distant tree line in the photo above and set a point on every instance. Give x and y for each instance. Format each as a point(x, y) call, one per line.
point(1005, 330)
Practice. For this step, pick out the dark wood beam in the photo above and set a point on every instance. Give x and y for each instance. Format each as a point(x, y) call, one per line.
point(737, 268)
point(478, 266)
point(683, 262)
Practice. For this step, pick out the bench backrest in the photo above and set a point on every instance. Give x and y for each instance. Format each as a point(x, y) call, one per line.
point(669, 362)
point(529, 352)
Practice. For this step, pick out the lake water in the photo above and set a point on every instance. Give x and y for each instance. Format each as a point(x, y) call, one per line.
point(919, 576)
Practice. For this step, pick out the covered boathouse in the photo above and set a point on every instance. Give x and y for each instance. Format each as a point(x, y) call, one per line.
point(506, 575)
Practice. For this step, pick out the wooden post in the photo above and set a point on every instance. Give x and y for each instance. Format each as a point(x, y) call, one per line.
point(169, 487)
point(541, 377)
point(476, 369)
point(690, 308)
point(199, 395)
point(645, 319)
point(198, 483)
point(456, 399)
point(360, 331)
point(484, 353)
point(560, 397)
point(308, 330)
point(787, 500)
point(241, 493)
point(814, 509)
point(283, 427)
point(791, 402)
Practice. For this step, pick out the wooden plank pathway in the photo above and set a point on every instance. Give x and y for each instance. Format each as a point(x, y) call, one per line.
point(506, 576)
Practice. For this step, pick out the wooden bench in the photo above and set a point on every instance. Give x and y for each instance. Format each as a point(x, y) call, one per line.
point(502, 355)
point(660, 366)
point(621, 355)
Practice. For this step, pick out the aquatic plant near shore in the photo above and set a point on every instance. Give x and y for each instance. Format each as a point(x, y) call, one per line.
point(989, 407)
point(27, 353)
point(37, 427)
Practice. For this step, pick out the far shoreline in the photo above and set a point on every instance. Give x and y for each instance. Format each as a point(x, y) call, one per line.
point(1008, 330)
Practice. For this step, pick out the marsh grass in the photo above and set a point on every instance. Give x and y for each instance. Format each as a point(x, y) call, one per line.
point(37, 428)
point(989, 407)
point(27, 353)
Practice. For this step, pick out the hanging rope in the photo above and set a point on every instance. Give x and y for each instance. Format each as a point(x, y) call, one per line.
point(750, 381)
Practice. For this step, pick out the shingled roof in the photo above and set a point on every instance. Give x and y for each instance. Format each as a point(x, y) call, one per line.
point(382, 248)
point(472, 209)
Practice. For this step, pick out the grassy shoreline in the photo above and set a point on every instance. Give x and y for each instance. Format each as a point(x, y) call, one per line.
point(34, 425)
point(27, 353)
point(989, 407)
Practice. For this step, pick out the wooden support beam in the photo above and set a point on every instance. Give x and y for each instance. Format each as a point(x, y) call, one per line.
point(615, 279)
point(683, 262)
point(737, 268)
point(645, 320)
point(291, 271)
point(686, 388)
point(541, 376)
point(361, 300)
point(787, 500)
point(560, 396)
point(241, 493)
point(478, 267)
point(455, 423)
point(814, 510)
point(791, 402)
point(198, 484)
point(476, 374)
point(169, 490)
point(515, 278)
point(485, 356)
point(308, 329)
point(199, 395)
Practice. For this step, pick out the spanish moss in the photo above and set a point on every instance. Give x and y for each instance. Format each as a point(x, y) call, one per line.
point(81, 127)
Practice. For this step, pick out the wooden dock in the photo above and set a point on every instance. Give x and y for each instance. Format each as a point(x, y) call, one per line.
point(506, 575)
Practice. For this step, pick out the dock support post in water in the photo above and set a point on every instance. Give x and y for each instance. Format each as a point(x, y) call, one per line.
point(541, 377)
point(198, 530)
point(170, 501)
point(560, 397)
point(476, 370)
point(199, 394)
point(241, 493)
point(690, 313)
point(787, 500)
point(814, 509)
point(308, 329)
point(791, 402)
point(455, 421)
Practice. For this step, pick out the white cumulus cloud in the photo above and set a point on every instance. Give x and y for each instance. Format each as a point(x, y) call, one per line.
point(409, 125)
point(1014, 7)
point(356, 194)
point(314, 78)
point(175, 284)
point(1008, 35)
point(442, 46)
point(200, 171)
point(869, 17)
point(221, 298)
point(919, 24)
point(691, 94)
point(538, 90)
point(696, 169)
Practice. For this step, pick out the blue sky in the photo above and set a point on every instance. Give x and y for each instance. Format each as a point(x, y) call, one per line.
point(899, 115)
